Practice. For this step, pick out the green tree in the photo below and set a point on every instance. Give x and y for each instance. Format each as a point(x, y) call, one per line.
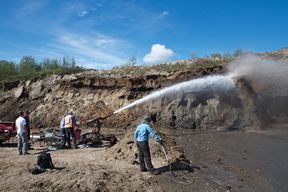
point(50, 64)
point(238, 52)
point(216, 56)
point(227, 56)
point(28, 66)
point(68, 62)
point(193, 55)
point(131, 61)
point(7, 70)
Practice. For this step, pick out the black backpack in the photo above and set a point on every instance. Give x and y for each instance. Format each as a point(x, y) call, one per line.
point(45, 160)
point(36, 169)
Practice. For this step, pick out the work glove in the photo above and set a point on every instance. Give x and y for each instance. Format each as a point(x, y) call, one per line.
point(160, 142)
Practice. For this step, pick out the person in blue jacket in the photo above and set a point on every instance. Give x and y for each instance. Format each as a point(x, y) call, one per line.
point(141, 135)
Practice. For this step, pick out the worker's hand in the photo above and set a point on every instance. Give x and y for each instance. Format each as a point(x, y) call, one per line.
point(160, 142)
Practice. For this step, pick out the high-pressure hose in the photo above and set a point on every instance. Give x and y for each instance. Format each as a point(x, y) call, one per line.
point(165, 154)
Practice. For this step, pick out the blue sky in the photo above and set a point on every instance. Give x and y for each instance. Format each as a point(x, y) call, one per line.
point(105, 33)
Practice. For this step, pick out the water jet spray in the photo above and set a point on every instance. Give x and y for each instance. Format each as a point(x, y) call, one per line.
point(208, 83)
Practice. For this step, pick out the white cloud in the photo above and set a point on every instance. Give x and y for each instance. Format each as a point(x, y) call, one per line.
point(99, 4)
point(30, 8)
point(105, 41)
point(97, 51)
point(159, 54)
point(165, 13)
point(82, 13)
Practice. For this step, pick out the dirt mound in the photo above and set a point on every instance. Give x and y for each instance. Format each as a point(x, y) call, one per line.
point(126, 148)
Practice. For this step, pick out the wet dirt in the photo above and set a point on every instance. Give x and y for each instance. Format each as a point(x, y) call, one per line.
point(241, 161)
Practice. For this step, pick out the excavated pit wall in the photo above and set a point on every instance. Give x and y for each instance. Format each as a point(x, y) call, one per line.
point(94, 95)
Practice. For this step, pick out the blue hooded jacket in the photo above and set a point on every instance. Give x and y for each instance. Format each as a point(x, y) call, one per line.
point(142, 133)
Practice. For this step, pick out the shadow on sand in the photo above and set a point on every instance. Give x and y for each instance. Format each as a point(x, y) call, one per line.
point(9, 145)
point(179, 165)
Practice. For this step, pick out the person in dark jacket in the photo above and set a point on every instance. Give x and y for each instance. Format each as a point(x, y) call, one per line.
point(141, 135)
point(27, 119)
point(63, 132)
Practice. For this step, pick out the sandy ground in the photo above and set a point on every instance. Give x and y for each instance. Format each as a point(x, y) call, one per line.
point(227, 161)
point(76, 170)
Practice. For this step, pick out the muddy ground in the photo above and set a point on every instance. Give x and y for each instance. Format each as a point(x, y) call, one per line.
point(241, 161)
point(228, 161)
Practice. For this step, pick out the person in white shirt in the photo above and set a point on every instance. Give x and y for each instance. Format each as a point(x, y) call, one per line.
point(22, 134)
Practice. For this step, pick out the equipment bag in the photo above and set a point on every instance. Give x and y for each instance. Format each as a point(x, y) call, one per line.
point(45, 160)
point(36, 169)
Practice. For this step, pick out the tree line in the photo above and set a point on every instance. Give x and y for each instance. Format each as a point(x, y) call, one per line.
point(28, 68)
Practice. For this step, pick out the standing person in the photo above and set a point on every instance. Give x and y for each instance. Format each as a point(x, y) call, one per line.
point(63, 132)
point(27, 119)
point(98, 124)
point(22, 134)
point(141, 135)
point(70, 124)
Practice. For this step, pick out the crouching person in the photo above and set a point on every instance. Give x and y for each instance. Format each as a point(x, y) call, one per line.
point(141, 135)
point(70, 124)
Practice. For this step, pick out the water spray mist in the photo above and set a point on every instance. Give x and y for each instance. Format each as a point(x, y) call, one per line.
point(209, 83)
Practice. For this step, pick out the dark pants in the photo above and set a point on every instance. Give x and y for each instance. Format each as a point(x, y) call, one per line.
point(70, 133)
point(63, 137)
point(144, 156)
point(28, 133)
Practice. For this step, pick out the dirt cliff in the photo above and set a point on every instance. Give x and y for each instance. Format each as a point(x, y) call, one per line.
point(99, 93)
